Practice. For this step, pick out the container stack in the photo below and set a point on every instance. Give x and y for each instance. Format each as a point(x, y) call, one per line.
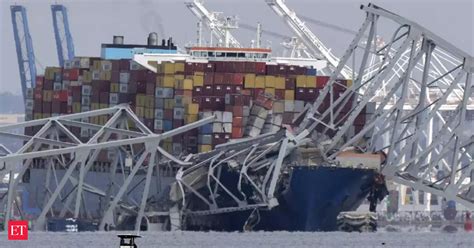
point(247, 98)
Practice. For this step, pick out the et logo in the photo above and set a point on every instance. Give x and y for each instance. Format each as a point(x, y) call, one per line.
point(17, 230)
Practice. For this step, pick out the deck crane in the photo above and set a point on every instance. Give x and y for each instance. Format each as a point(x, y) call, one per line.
point(307, 37)
point(62, 34)
point(219, 28)
point(24, 48)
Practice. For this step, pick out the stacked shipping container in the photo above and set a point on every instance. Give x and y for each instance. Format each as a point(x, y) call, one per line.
point(248, 98)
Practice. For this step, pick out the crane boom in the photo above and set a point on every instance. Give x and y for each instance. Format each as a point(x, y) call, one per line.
point(210, 19)
point(304, 33)
point(24, 48)
point(62, 34)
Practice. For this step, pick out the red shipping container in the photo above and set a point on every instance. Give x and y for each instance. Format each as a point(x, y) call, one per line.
point(60, 96)
point(104, 97)
point(178, 92)
point(238, 89)
point(208, 90)
point(219, 90)
point(258, 92)
point(197, 91)
point(178, 123)
point(189, 68)
point(228, 78)
point(150, 77)
point(168, 114)
point(300, 94)
point(219, 78)
point(238, 111)
point(48, 84)
point(38, 94)
point(249, 67)
point(321, 81)
point(46, 107)
point(71, 74)
point(37, 106)
point(208, 78)
point(76, 93)
point(238, 122)
point(199, 67)
point(219, 66)
point(272, 69)
point(229, 89)
point(239, 67)
point(260, 68)
point(39, 82)
point(209, 67)
point(290, 83)
point(237, 132)
point(219, 103)
point(95, 96)
point(279, 94)
point(206, 103)
point(238, 79)
point(124, 65)
point(150, 88)
point(141, 87)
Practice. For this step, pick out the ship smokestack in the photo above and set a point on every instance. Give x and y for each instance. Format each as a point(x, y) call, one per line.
point(118, 40)
point(153, 39)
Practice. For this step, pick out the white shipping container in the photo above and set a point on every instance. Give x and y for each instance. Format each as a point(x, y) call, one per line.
point(124, 77)
point(227, 117)
point(217, 127)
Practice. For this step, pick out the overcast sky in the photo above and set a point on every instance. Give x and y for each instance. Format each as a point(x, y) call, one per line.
point(93, 22)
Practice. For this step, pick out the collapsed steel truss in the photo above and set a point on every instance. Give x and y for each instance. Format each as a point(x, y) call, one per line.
point(430, 75)
point(57, 144)
point(420, 77)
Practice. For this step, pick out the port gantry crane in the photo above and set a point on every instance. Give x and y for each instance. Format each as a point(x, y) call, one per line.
point(62, 34)
point(395, 127)
point(24, 48)
point(312, 42)
point(219, 27)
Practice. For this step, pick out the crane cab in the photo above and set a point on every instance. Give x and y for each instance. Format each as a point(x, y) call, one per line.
point(128, 240)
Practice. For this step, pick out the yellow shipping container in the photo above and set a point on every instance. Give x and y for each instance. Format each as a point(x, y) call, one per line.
point(94, 119)
point(149, 113)
point(270, 91)
point(95, 106)
point(140, 100)
point(269, 81)
point(168, 81)
point(103, 105)
point(37, 116)
point(76, 107)
point(103, 120)
point(149, 101)
point(167, 146)
point(280, 83)
point(311, 81)
point(249, 81)
point(187, 100)
point(114, 88)
point(140, 111)
point(301, 81)
point(176, 76)
point(179, 67)
point(204, 148)
point(50, 71)
point(192, 109)
point(349, 83)
point(47, 95)
point(289, 95)
point(260, 82)
point(178, 84)
point(96, 65)
point(199, 73)
point(168, 68)
point(169, 103)
point(46, 115)
point(190, 118)
point(198, 80)
point(87, 77)
point(188, 84)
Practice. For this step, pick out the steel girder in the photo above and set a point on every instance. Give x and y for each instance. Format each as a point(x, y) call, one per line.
point(421, 77)
point(133, 146)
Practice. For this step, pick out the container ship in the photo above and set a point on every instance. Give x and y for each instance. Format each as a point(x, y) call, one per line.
point(250, 94)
